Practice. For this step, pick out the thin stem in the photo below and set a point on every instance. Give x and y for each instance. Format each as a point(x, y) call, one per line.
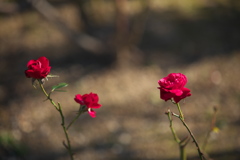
point(171, 127)
point(206, 140)
point(213, 124)
point(183, 155)
point(68, 147)
point(191, 134)
point(48, 96)
point(180, 111)
point(73, 120)
point(59, 109)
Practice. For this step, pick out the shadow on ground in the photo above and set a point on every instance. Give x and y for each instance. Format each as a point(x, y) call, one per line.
point(171, 41)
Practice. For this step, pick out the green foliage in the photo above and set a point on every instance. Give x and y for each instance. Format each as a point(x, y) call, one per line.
point(57, 87)
point(10, 145)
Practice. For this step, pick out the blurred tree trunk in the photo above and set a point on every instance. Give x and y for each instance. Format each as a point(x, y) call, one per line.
point(128, 36)
point(122, 32)
point(85, 20)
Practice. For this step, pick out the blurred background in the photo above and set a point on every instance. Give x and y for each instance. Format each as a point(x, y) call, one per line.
point(119, 49)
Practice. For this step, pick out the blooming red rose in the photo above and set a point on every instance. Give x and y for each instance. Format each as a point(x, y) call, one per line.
point(172, 86)
point(38, 69)
point(90, 101)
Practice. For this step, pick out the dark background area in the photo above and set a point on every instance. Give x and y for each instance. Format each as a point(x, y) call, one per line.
point(119, 49)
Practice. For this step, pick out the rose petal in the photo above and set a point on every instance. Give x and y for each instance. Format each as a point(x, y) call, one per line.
point(78, 99)
point(31, 62)
point(92, 113)
point(177, 92)
point(96, 105)
point(44, 61)
point(165, 95)
point(89, 100)
point(186, 93)
point(172, 86)
point(38, 69)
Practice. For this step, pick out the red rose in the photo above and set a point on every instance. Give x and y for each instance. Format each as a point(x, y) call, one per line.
point(90, 101)
point(172, 86)
point(38, 69)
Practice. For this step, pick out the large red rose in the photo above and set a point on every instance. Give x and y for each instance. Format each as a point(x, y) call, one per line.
point(38, 69)
point(90, 101)
point(172, 86)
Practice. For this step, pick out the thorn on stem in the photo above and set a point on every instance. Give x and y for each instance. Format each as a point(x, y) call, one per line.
point(176, 115)
point(168, 111)
point(65, 145)
point(173, 101)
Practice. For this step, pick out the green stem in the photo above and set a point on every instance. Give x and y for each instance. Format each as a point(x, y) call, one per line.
point(59, 109)
point(180, 111)
point(183, 155)
point(211, 129)
point(68, 147)
point(48, 96)
point(191, 134)
point(206, 141)
point(171, 127)
point(73, 120)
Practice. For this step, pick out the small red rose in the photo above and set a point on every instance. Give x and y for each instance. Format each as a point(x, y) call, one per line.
point(172, 87)
point(38, 69)
point(90, 101)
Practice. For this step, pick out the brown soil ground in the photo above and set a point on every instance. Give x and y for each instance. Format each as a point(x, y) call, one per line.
point(131, 123)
